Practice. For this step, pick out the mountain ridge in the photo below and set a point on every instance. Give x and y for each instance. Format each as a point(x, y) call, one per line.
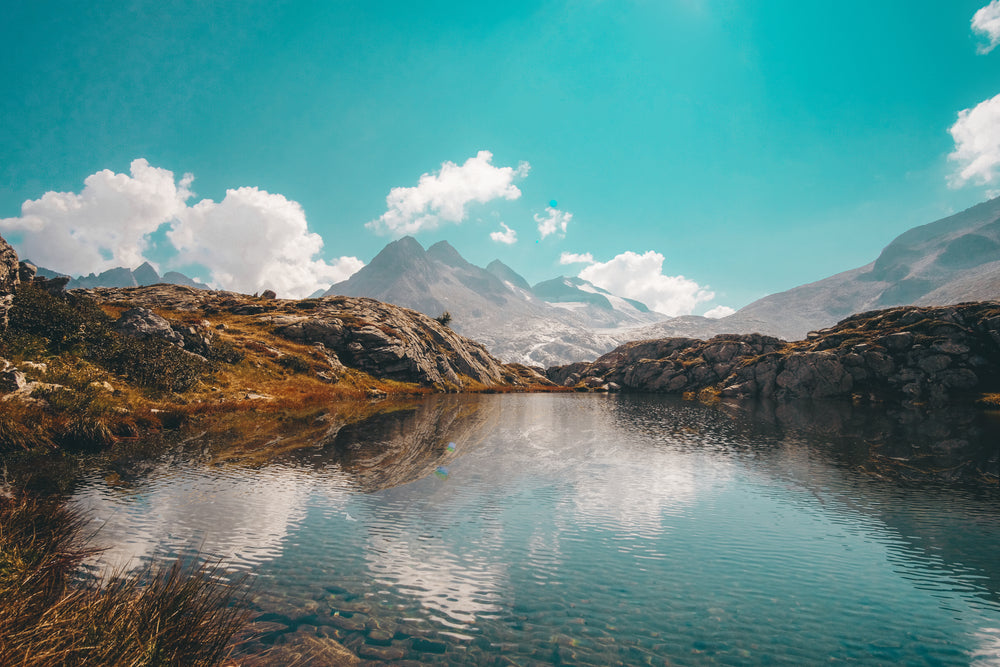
point(494, 305)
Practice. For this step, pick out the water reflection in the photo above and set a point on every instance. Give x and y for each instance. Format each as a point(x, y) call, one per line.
point(591, 529)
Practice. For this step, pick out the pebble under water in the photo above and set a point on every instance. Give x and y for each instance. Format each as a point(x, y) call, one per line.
point(584, 529)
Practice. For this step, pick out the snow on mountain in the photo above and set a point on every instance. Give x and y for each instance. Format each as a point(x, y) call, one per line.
point(496, 306)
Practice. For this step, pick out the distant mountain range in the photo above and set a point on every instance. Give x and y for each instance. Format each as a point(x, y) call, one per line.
point(554, 322)
point(124, 277)
point(567, 319)
point(563, 320)
point(949, 261)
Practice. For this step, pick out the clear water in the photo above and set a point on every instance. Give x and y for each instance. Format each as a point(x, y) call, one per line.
point(590, 530)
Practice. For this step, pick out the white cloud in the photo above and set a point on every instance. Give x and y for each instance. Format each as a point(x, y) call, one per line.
point(719, 312)
point(641, 277)
point(275, 249)
point(508, 236)
point(977, 144)
point(444, 196)
point(576, 258)
point(986, 22)
point(251, 241)
point(106, 225)
point(555, 221)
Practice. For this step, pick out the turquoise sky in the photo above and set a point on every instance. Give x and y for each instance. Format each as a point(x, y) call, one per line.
point(754, 145)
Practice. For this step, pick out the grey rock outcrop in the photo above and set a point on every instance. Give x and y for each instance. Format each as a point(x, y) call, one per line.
point(143, 323)
point(26, 271)
point(394, 343)
point(9, 279)
point(907, 355)
point(383, 340)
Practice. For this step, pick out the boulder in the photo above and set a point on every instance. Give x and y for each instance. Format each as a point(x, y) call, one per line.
point(9, 279)
point(26, 272)
point(143, 323)
point(12, 379)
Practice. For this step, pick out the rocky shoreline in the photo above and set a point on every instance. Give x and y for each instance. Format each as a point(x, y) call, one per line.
point(906, 355)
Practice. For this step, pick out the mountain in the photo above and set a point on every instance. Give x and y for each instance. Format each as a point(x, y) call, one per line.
point(508, 275)
point(496, 305)
point(121, 276)
point(599, 306)
point(949, 261)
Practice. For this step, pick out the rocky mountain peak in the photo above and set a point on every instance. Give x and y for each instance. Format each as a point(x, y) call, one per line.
point(145, 274)
point(507, 274)
point(444, 252)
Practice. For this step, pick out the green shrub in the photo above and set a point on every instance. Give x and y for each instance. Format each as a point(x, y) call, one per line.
point(40, 324)
point(153, 362)
point(294, 363)
point(225, 351)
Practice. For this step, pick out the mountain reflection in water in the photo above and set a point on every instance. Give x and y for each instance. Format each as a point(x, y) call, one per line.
point(592, 529)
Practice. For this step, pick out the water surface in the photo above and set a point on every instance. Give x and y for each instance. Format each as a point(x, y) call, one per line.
point(596, 530)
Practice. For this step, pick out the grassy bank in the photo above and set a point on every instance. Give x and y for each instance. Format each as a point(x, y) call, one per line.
point(48, 616)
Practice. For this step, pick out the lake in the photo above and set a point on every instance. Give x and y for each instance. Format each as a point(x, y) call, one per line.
point(592, 530)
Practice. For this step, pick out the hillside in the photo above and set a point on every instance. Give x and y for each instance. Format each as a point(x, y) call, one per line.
point(89, 367)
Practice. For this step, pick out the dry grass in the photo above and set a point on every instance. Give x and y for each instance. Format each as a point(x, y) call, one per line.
point(170, 616)
point(989, 401)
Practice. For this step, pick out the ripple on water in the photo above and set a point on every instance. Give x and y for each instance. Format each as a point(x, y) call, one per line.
point(595, 531)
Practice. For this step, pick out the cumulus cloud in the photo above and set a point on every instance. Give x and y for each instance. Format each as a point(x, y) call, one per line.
point(251, 241)
point(719, 312)
point(508, 235)
point(977, 144)
point(444, 196)
point(986, 22)
point(275, 250)
point(576, 258)
point(106, 225)
point(641, 277)
point(555, 221)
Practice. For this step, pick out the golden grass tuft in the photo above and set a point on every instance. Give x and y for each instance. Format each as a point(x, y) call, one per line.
point(175, 615)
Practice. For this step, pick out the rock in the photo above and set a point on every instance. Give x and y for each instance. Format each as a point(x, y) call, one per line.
point(355, 623)
point(143, 323)
point(12, 380)
point(907, 355)
point(26, 272)
point(268, 294)
point(898, 341)
point(35, 366)
point(54, 286)
point(305, 649)
point(386, 653)
point(394, 343)
point(380, 637)
point(9, 279)
point(429, 645)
